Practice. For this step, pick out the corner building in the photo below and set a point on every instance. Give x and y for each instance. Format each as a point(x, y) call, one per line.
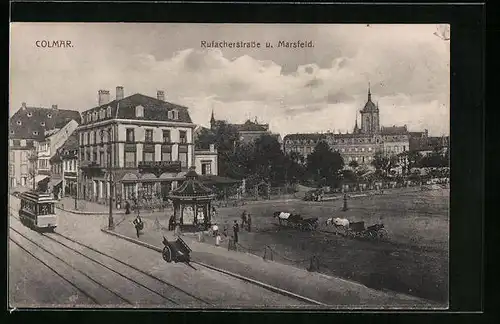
point(144, 143)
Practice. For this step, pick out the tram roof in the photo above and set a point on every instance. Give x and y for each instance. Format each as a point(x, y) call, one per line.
point(39, 197)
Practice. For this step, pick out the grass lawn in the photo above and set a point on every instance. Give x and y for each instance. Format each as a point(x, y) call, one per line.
point(414, 260)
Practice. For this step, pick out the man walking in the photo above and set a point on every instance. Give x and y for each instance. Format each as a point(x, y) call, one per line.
point(139, 225)
point(236, 229)
point(249, 223)
point(243, 218)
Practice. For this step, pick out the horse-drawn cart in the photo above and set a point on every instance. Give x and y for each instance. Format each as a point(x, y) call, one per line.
point(176, 251)
point(358, 230)
point(296, 221)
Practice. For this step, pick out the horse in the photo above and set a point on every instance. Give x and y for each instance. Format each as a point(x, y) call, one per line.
point(340, 224)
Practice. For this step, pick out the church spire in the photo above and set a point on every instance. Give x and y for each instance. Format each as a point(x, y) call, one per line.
point(212, 119)
point(369, 92)
point(356, 128)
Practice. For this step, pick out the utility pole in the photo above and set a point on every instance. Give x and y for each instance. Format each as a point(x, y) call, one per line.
point(34, 160)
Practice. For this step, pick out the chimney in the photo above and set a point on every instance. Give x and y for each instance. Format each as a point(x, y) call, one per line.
point(54, 107)
point(119, 93)
point(103, 97)
point(160, 95)
point(23, 105)
point(212, 148)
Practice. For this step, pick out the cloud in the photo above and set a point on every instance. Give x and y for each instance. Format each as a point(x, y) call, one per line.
point(319, 89)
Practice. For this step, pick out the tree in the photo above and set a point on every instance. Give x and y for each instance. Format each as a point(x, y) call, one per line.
point(269, 160)
point(354, 164)
point(383, 164)
point(323, 163)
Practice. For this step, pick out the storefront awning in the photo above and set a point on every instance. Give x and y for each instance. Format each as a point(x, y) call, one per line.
point(40, 177)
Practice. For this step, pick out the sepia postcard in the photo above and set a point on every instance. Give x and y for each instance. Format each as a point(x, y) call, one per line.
point(229, 166)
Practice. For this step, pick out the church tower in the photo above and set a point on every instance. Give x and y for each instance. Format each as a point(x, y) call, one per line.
point(370, 116)
point(212, 120)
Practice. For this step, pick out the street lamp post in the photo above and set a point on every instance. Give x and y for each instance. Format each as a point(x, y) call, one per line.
point(34, 160)
point(111, 224)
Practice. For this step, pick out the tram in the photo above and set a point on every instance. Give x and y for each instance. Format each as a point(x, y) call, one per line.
point(37, 211)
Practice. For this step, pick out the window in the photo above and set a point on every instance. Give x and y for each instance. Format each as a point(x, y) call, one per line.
point(88, 156)
point(130, 160)
point(101, 158)
point(369, 149)
point(19, 122)
point(94, 156)
point(356, 149)
point(175, 114)
point(82, 155)
point(404, 148)
point(139, 111)
point(308, 150)
point(206, 168)
point(166, 136)
point(42, 123)
point(23, 143)
point(88, 138)
point(16, 142)
point(130, 135)
point(169, 114)
point(11, 132)
point(148, 189)
point(149, 157)
point(49, 116)
point(128, 190)
point(35, 133)
point(183, 156)
point(362, 149)
point(30, 114)
point(149, 135)
point(108, 111)
point(182, 137)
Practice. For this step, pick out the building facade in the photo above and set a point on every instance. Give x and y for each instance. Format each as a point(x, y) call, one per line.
point(205, 161)
point(26, 129)
point(145, 144)
point(249, 131)
point(52, 141)
point(64, 165)
point(362, 144)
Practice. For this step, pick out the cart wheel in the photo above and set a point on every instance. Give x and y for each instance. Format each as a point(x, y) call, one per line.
point(167, 254)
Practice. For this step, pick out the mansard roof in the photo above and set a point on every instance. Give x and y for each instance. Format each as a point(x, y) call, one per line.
point(32, 122)
point(154, 109)
point(394, 130)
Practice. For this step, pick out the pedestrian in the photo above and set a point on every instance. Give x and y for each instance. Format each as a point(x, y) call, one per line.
point(217, 240)
point(139, 225)
point(243, 218)
point(236, 229)
point(215, 230)
point(127, 208)
point(224, 230)
point(249, 223)
point(171, 225)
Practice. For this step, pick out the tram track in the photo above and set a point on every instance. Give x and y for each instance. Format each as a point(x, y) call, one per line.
point(181, 293)
point(73, 245)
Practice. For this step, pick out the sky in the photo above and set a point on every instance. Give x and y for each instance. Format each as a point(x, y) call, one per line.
point(294, 90)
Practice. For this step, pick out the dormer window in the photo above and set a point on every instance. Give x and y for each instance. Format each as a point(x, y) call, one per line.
point(11, 132)
point(175, 114)
point(49, 115)
point(35, 133)
point(108, 111)
point(29, 114)
point(19, 122)
point(139, 111)
point(42, 123)
point(169, 115)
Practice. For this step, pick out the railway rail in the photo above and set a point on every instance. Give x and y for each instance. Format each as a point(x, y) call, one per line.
point(76, 247)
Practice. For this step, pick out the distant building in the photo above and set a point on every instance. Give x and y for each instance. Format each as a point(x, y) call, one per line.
point(146, 142)
point(360, 145)
point(424, 144)
point(27, 128)
point(248, 131)
point(205, 161)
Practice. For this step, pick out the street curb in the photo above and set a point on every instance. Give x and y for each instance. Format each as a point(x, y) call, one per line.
point(237, 276)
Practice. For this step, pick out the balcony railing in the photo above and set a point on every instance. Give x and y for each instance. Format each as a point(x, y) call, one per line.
point(159, 167)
